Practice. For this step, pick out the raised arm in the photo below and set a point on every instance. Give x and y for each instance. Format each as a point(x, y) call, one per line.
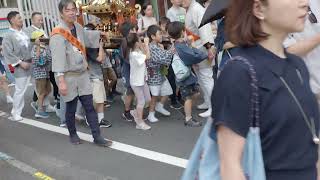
point(161, 56)
point(304, 47)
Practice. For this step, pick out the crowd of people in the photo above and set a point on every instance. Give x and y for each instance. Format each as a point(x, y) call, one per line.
point(158, 61)
point(175, 59)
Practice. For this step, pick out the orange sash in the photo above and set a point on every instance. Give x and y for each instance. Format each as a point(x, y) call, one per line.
point(194, 36)
point(70, 38)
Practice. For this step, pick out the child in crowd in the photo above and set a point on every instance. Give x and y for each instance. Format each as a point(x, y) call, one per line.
point(176, 12)
point(166, 41)
point(110, 79)
point(139, 54)
point(163, 23)
point(4, 82)
point(3, 77)
point(189, 56)
point(128, 96)
point(157, 81)
point(96, 56)
point(41, 65)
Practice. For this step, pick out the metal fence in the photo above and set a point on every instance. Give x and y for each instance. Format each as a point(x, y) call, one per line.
point(48, 8)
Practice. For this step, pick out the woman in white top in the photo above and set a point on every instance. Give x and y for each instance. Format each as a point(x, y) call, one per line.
point(139, 53)
point(147, 18)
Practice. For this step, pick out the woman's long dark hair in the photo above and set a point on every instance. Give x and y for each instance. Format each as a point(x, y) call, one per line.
point(125, 30)
point(132, 39)
point(144, 7)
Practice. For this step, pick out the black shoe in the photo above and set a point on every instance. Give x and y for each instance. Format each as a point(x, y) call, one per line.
point(105, 124)
point(127, 116)
point(74, 139)
point(176, 106)
point(100, 141)
point(192, 123)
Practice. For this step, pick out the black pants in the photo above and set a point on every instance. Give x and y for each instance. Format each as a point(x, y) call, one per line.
point(172, 80)
point(55, 88)
point(92, 117)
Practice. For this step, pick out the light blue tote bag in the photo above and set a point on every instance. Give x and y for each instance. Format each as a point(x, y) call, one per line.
point(204, 163)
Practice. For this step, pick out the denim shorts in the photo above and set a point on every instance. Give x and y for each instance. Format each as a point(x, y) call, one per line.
point(2, 69)
point(188, 91)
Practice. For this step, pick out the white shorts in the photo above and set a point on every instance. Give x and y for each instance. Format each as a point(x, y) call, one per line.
point(161, 90)
point(99, 92)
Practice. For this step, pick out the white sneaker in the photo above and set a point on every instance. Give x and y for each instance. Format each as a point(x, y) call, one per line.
point(152, 118)
point(206, 113)
point(50, 109)
point(63, 125)
point(9, 100)
point(16, 118)
point(203, 106)
point(159, 108)
point(143, 126)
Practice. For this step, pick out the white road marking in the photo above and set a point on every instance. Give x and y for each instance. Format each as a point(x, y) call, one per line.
point(148, 154)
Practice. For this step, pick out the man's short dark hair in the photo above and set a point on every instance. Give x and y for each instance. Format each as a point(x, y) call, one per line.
point(175, 29)
point(11, 15)
point(64, 4)
point(152, 30)
point(34, 14)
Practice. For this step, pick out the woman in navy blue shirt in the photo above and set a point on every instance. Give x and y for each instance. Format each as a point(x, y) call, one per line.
point(289, 145)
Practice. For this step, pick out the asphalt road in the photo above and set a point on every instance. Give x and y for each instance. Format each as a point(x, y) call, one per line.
point(158, 154)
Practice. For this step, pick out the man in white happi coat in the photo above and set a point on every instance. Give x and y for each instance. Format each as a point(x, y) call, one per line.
point(204, 69)
point(17, 53)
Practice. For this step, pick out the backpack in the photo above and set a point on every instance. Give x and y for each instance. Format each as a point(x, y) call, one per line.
point(181, 71)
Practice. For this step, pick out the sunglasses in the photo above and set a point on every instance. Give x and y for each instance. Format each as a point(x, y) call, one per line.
point(312, 17)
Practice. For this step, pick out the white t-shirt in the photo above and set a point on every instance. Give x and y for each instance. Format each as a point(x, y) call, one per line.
point(312, 59)
point(138, 69)
point(176, 14)
point(144, 22)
